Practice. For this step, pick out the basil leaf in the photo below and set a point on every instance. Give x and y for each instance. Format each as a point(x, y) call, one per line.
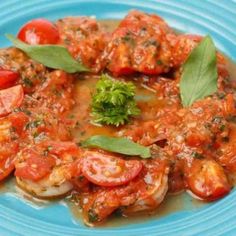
point(52, 56)
point(199, 77)
point(118, 145)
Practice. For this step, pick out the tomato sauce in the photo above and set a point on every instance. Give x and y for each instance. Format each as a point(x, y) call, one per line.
point(46, 114)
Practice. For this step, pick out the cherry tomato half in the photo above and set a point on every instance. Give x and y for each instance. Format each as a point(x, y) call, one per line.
point(7, 78)
point(207, 180)
point(35, 166)
point(10, 98)
point(108, 170)
point(39, 31)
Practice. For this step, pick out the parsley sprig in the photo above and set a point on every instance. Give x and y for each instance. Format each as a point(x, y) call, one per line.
point(113, 102)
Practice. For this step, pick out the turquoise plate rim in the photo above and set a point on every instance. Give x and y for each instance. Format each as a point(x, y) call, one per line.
point(214, 17)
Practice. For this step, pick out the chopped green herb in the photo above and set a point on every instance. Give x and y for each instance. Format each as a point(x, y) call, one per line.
point(21, 109)
point(56, 92)
point(35, 134)
point(27, 82)
point(222, 128)
point(72, 116)
point(128, 38)
point(92, 216)
point(34, 124)
point(79, 144)
point(198, 155)
point(151, 42)
point(27, 112)
point(207, 125)
point(159, 62)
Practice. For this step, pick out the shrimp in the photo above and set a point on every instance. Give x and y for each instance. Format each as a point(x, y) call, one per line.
point(152, 188)
point(143, 193)
point(45, 169)
point(46, 188)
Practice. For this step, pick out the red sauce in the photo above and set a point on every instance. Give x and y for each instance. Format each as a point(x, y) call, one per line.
point(193, 147)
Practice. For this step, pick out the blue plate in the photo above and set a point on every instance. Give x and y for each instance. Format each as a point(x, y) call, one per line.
point(215, 17)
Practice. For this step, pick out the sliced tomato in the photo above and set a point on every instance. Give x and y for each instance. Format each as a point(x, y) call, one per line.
point(8, 78)
point(10, 99)
point(207, 180)
point(108, 170)
point(35, 166)
point(39, 31)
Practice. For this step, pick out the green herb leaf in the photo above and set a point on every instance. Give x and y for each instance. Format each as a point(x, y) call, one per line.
point(113, 102)
point(118, 145)
point(199, 77)
point(92, 216)
point(197, 155)
point(52, 56)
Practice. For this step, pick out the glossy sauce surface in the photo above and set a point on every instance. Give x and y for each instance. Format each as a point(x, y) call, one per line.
point(150, 103)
